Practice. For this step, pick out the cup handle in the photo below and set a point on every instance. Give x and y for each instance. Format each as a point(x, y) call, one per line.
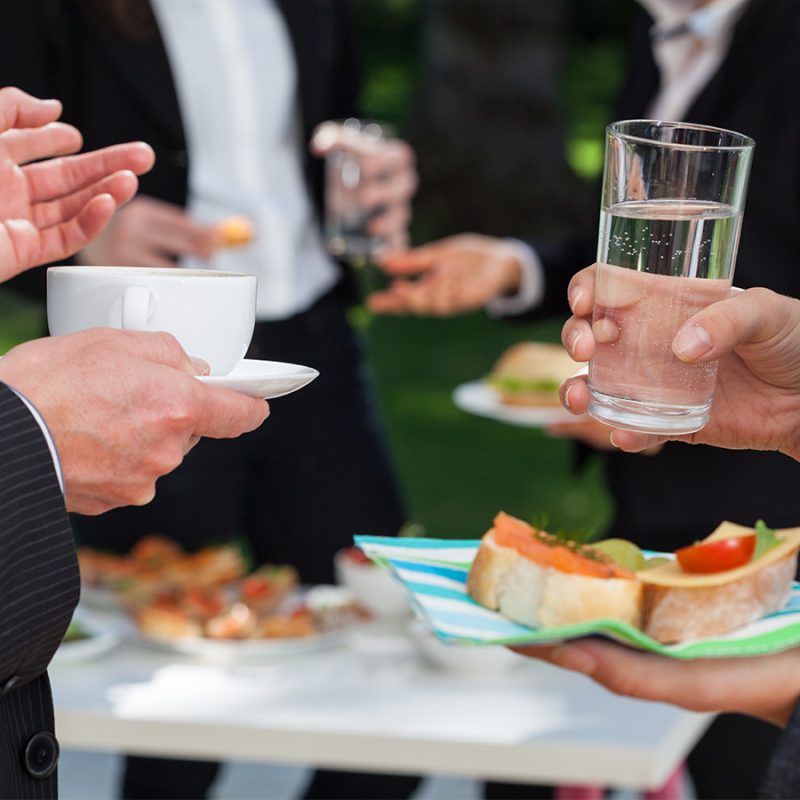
point(136, 308)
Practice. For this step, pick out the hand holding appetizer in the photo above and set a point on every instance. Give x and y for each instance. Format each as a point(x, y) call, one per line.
point(767, 687)
point(234, 232)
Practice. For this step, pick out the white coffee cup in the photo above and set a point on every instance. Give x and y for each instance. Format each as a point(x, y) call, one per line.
point(211, 313)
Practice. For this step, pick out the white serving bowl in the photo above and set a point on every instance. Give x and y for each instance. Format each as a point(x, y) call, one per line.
point(462, 658)
point(374, 587)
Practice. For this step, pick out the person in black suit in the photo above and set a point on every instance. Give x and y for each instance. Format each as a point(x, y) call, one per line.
point(299, 492)
point(753, 88)
point(63, 403)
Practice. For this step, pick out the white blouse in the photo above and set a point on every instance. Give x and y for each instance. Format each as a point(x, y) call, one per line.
point(236, 80)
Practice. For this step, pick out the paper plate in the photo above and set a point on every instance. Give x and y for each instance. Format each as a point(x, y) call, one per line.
point(434, 571)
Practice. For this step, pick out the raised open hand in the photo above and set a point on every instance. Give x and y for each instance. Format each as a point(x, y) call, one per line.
point(50, 209)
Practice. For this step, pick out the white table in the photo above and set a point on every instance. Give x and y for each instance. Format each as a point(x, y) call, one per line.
point(372, 705)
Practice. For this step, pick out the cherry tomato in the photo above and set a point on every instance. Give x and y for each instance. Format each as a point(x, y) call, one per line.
point(717, 556)
point(255, 587)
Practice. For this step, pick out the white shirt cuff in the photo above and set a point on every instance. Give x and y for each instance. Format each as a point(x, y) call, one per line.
point(47, 435)
point(531, 285)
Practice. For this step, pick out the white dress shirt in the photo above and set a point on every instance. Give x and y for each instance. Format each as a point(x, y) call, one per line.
point(51, 445)
point(236, 80)
point(689, 45)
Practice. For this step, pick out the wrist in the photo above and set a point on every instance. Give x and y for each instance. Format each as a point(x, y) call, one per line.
point(511, 271)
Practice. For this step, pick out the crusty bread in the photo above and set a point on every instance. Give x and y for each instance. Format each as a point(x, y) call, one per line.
point(678, 613)
point(535, 399)
point(669, 604)
point(542, 597)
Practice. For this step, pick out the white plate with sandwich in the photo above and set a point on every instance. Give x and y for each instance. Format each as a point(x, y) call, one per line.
point(522, 388)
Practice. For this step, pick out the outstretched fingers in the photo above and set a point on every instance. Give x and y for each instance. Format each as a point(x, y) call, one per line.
point(65, 238)
point(49, 180)
point(23, 245)
point(19, 109)
point(31, 144)
point(121, 186)
point(410, 262)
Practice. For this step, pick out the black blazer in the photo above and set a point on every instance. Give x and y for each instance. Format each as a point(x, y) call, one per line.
point(39, 589)
point(115, 89)
point(755, 91)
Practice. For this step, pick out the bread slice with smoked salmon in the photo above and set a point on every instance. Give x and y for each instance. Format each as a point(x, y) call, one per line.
point(536, 579)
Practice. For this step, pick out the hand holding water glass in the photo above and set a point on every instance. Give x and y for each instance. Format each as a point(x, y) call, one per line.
point(672, 203)
point(370, 178)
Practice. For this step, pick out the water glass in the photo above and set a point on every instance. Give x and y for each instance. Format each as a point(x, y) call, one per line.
point(347, 206)
point(672, 203)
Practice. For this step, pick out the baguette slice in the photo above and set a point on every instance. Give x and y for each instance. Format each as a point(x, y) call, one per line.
point(504, 578)
point(681, 605)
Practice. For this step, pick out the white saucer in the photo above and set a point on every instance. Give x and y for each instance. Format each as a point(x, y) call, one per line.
point(477, 397)
point(264, 379)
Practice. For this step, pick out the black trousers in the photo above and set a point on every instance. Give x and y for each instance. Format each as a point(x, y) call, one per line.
point(296, 491)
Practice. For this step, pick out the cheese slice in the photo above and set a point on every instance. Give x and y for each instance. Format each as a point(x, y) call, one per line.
point(673, 575)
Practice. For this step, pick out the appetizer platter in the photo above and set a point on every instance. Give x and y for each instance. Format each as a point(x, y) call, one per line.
point(522, 388)
point(110, 580)
point(236, 625)
point(730, 594)
point(207, 604)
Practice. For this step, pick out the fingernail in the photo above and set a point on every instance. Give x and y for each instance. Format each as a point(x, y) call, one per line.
point(691, 343)
point(613, 438)
point(566, 397)
point(201, 367)
point(575, 659)
point(574, 338)
point(575, 294)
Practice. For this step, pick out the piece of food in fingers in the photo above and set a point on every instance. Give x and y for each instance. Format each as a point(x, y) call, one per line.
point(530, 374)
point(709, 601)
point(234, 232)
point(537, 579)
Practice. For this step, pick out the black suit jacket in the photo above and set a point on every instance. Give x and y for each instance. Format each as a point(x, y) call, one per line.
point(115, 89)
point(782, 778)
point(39, 588)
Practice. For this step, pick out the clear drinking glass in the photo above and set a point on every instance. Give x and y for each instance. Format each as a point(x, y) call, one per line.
point(671, 212)
point(347, 207)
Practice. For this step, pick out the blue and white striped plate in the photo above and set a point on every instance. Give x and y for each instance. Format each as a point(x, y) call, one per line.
point(434, 571)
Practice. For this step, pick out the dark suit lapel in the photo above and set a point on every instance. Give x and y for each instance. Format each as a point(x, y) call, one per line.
point(750, 45)
point(311, 29)
point(642, 80)
point(145, 71)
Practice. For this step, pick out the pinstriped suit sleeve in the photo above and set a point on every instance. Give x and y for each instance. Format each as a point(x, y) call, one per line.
point(39, 587)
